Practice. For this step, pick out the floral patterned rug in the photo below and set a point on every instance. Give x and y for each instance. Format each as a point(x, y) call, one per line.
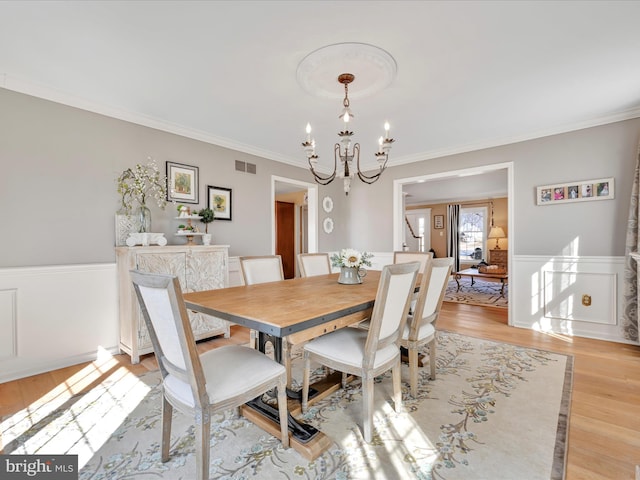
point(480, 293)
point(495, 411)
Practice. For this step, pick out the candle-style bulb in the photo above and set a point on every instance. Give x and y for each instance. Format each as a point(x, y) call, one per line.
point(386, 128)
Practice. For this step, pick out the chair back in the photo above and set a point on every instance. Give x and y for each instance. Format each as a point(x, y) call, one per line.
point(261, 269)
point(395, 289)
point(167, 320)
point(312, 264)
point(433, 287)
point(405, 257)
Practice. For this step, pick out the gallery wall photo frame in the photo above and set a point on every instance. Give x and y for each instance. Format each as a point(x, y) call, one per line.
point(438, 222)
point(219, 200)
point(580, 191)
point(182, 183)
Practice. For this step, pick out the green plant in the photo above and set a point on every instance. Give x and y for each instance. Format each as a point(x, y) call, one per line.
point(208, 216)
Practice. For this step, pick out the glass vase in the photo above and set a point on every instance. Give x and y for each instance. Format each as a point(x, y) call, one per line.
point(144, 219)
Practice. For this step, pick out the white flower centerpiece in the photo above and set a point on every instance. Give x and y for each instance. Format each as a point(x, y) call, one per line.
point(136, 185)
point(351, 263)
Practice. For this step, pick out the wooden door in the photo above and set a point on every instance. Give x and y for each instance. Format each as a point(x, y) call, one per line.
point(285, 237)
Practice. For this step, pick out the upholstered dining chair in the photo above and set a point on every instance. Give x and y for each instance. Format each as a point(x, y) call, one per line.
point(420, 327)
point(260, 269)
point(312, 264)
point(369, 353)
point(404, 257)
point(198, 385)
point(263, 269)
point(422, 257)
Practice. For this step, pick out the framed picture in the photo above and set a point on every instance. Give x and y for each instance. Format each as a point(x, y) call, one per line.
point(438, 221)
point(220, 201)
point(182, 183)
point(585, 190)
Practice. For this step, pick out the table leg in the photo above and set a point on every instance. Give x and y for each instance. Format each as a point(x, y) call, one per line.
point(300, 431)
point(458, 277)
point(502, 287)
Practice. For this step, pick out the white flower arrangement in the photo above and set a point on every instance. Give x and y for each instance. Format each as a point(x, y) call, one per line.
point(142, 181)
point(348, 257)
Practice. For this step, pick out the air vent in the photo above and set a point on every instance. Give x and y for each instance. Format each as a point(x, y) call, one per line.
point(251, 168)
point(240, 166)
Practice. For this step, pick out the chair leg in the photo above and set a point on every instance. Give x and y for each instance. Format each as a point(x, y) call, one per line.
point(203, 432)
point(397, 386)
point(343, 382)
point(432, 359)
point(413, 370)
point(284, 414)
point(305, 382)
point(367, 399)
point(167, 411)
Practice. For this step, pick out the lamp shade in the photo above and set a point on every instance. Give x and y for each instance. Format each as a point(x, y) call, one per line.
point(496, 232)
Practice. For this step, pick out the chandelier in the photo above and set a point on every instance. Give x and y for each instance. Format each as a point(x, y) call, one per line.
point(344, 151)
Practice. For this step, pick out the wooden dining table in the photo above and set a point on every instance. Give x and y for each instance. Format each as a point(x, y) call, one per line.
point(299, 309)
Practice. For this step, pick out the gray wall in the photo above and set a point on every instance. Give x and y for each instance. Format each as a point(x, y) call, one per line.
point(58, 183)
point(594, 228)
point(58, 192)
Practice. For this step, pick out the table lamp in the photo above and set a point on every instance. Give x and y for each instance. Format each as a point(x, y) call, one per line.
point(497, 233)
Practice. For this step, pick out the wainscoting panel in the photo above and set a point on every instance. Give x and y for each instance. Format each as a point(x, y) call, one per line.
point(59, 315)
point(587, 297)
point(8, 323)
point(551, 293)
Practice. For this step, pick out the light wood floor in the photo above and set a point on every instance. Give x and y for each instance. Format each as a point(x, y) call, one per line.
point(604, 426)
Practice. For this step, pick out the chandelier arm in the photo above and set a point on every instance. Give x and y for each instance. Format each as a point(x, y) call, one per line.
point(371, 178)
point(319, 178)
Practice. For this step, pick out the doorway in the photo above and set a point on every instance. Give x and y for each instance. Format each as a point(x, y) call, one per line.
point(475, 188)
point(305, 215)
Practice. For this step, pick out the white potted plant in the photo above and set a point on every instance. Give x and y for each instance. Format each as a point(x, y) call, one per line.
point(207, 216)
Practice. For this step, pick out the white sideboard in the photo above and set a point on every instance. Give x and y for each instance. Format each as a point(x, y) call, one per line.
point(197, 267)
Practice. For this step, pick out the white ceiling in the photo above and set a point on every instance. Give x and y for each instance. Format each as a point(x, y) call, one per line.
point(469, 74)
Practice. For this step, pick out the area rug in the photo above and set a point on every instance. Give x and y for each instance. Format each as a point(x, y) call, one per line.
point(495, 411)
point(480, 293)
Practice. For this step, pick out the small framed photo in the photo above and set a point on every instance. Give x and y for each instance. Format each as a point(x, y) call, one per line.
point(220, 201)
point(438, 221)
point(182, 183)
point(586, 190)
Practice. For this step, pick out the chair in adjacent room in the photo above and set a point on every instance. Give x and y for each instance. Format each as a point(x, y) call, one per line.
point(369, 353)
point(194, 384)
point(312, 264)
point(420, 327)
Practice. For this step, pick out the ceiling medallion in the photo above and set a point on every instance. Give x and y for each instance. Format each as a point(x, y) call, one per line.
point(374, 68)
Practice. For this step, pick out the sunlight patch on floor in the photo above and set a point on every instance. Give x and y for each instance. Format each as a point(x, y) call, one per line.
point(62, 422)
point(388, 425)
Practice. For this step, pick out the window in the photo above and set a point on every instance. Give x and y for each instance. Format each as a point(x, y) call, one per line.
point(473, 231)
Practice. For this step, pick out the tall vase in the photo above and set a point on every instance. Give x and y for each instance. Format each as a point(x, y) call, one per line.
point(144, 219)
point(351, 275)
